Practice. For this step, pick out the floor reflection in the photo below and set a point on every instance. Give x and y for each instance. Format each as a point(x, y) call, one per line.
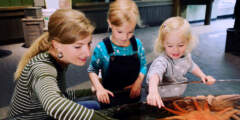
point(4, 53)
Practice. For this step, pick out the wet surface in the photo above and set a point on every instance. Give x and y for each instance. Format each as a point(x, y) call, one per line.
point(215, 104)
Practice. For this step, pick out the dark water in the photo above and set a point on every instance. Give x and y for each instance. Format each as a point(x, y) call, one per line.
point(142, 111)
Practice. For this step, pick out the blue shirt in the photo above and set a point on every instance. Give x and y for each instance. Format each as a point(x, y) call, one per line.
point(100, 57)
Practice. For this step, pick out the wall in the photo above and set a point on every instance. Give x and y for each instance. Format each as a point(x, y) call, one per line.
point(197, 12)
point(11, 13)
point(8, 3)
point(153, 12)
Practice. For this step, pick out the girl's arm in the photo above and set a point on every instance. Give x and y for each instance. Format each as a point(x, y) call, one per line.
point(95, 65)
point(198, 72)
point(156, 70)
point(209, 80)
point(142, 57)
point(101, 92)
point(136, 86)
point(153, 97)
point(95, 81)
point(153, 84)
point(139, 79)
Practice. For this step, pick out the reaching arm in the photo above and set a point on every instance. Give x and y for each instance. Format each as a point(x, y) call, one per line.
point(136, 86)
point(153, 97)
point(156, 71)
point(95, 65)
point(209, 80)
point(101, 92)
point(95, 81)
point(198, 72)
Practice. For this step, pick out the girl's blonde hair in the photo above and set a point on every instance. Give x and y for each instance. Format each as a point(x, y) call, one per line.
point(175, 24)
point(122, 11)
point(65, 26)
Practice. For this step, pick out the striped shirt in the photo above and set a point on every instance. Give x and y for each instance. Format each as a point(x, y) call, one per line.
point(41, 93)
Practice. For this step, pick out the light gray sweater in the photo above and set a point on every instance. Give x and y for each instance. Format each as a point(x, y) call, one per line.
point(171, 70)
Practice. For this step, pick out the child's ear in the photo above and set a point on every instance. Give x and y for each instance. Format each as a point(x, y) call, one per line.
point(109, 23)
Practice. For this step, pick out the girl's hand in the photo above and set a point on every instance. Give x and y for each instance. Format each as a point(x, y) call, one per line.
point(135, 90)
point(103, 95)
point(208, 80)
point(155, 100)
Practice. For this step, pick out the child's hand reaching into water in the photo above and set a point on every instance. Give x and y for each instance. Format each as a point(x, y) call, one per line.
point(155, 100)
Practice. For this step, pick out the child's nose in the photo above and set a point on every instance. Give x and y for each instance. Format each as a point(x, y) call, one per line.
point(176, 49)
point(125, 36)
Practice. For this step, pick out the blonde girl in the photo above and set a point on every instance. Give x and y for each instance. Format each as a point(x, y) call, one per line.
point(174, 45)
point(40, 91)
point(120, 57)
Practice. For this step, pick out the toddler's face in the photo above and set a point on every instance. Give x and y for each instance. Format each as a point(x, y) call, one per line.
point(121, 35)
point(175, 44)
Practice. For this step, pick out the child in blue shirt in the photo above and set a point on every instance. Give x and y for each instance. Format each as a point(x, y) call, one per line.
point(120, 58)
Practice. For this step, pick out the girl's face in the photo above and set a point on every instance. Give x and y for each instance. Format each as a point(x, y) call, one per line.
point(77, 52)
point(175, 44)
point(121, 35)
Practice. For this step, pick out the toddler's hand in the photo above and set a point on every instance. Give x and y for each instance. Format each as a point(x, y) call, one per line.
point(135, 90)
point(155, 100)
point(209, 80)
point(103, 95)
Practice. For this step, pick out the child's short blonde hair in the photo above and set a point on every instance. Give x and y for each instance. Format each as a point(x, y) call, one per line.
point(122, 11)
point(175, 24)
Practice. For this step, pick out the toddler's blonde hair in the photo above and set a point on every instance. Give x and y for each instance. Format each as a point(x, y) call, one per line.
point(175, 24)
point(122, 11)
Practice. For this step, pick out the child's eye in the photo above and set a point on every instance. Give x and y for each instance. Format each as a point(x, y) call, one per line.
point(169, 46)
point(89, 44)
point(119, 31)
point(77, 47)
point(180, 45)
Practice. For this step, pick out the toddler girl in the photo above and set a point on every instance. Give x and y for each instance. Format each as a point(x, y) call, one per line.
point(174, 44)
